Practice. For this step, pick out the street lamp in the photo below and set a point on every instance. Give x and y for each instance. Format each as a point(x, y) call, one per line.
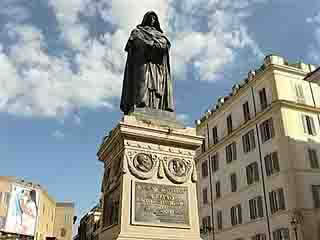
point(205, 230)
point(294, 223)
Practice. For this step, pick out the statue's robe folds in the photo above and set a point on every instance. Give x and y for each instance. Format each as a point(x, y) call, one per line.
point(147, 81)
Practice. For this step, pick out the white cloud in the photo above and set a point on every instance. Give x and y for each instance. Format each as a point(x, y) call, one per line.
point(58, 134)
point(88, 72)
point(314, 52)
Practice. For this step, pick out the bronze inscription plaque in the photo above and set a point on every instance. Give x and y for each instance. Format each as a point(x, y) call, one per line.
point(161, 204)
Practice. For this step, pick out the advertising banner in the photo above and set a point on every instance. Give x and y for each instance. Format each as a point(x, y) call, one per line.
point(20, 210)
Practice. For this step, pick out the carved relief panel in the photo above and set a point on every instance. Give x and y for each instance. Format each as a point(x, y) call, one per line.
point(145, 165)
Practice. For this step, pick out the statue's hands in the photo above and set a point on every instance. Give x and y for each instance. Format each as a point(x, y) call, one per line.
point(157, 45)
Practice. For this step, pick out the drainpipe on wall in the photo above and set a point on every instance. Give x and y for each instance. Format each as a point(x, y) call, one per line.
point(211, 193)
point(261, 167)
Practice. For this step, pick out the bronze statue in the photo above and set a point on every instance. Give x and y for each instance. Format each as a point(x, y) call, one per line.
point(147, 82)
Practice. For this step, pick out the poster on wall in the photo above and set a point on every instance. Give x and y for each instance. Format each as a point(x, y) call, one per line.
point(21, 210)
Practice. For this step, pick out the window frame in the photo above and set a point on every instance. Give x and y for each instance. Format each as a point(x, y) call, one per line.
point(263, 99)
point(231, 152)
point(229, 124)
point(246, 111)
point(215, 162)
point(313, 158)
point(204, 169)
point(215, 137)
point(267, 130)
point(252, 173)
point(205, 196)
point(233, 182)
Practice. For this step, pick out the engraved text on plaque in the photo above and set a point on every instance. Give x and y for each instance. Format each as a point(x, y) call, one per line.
point(161, 204)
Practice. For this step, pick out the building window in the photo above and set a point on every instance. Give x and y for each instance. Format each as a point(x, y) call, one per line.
point(263, 99)
point(260, 236)
point(313, 157)
point(308, 125)
point(204, 168)
point(272, 163)
point(236, 215)
point(205, 195)
point(277, 201)
point(233, 181)
point(252, 173)
point(281, 234)
point(267, 130)
point(248, 141)
point(215, 162)
point(316, 195)
point(246, 111)
point(215, 135)
point(219, 220)
point(256, 208)
point(218, 190)
point(229, 124)
point(299, 93)
point(231, 152)
point(203, 146)
point(206, 222)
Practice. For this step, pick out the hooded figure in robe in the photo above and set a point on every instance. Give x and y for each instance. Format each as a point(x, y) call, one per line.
point(147, 82)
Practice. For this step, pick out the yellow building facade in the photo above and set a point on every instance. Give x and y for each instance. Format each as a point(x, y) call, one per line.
point(45, 224)
point(26, 209)
point(64, 220)
point(259, 167)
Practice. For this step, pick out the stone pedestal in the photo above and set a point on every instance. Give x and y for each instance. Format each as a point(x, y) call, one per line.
point(149, 183)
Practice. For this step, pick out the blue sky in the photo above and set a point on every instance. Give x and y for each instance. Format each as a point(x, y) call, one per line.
point(61, 67)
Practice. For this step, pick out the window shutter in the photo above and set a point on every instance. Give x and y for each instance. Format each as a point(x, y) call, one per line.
point(316, 160)
point(205, 196)
point(256, 171)
point(244, 143)
point(263, 135)
point(271, 127)
point(313, 158)
point(304, 123)
point(239, 214)
point(275, 161)
point(234, 182)
point(249, 177)
point(252, 139)
point(272, 207)
point(260, 206)
point(219, 219)
point(251, 206)
point(267, 163)
point(313, 126)
point(227, 154)
point(282, 205)
point(217, 161)
point(234, 151)
point(232, 216)
point(316, 197)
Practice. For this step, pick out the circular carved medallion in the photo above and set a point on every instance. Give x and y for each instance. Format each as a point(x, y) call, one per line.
point(143, 162)
point(177, 167)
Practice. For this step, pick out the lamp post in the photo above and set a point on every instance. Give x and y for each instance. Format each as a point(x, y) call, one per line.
point(206, 230)
point(294, 223)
